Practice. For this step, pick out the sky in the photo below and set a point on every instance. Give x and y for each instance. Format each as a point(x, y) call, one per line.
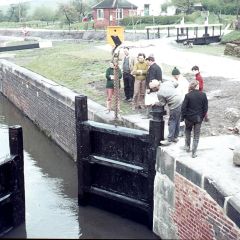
point(8, 2)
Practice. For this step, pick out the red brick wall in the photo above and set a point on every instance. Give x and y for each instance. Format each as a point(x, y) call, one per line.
point(103, 23)
point(198, 216)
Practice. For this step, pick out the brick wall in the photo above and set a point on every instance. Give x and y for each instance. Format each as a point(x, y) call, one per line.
point(198, 216)
point(109, 18)
point(50, 106)
point(188, 206)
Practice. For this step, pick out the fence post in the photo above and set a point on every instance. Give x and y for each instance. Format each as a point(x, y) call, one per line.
point(156, 126)
point(18, 194)
point(83, 147)
point(16, 140)
point(156, 134)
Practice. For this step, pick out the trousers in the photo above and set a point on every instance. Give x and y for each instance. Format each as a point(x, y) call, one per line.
point(196, 127)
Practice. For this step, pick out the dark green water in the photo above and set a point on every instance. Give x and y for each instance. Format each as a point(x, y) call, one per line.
point(51, 190)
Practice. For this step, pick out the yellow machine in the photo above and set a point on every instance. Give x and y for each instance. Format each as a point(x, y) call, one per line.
point(113, 32)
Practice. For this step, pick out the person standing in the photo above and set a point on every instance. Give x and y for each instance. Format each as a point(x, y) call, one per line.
point(183, 83)
point(168, 95)
point(194, 108)
point(199, 78)
point(139, 71)
point(154, 73)
point(110, 84)
point(128, 78)
point(182, 87)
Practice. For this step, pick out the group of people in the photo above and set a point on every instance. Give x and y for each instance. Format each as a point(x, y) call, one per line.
point(136, 73)
point(187, 103)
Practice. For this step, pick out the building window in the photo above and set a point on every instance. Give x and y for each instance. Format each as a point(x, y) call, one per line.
point(146, 9)
point(119, 13)
point(100, 14)
point(132, 12)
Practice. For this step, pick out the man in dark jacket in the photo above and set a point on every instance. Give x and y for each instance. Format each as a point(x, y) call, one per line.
point(199, 78)
point(194, 108)
point(154, 71)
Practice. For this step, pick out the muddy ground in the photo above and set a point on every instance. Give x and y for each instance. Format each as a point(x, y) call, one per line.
point(223, 94)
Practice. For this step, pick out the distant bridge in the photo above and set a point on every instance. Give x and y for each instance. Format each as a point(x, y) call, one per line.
point(183, 32)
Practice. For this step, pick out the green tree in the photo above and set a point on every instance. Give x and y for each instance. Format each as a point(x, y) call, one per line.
point(184, 5)
point(165, 5)
point(238, 7)
point(43, 13)
point(69, 13)
point(17, 12)
point(230, 7)
point(82, 8)
point(2, 17)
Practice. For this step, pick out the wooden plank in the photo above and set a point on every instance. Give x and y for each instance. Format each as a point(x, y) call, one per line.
point(117, 197)
point(160, 26)
point(19, 47)
point(5, 197)
point(197, 25)
point(117, 130)
point(117, 164)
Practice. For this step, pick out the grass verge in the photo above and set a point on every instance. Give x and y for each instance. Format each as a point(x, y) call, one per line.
point(80, 67)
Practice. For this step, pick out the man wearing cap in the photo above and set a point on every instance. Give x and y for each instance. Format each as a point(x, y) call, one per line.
point(183, 83)
point(194, 108)
point(168, 95)
point(182, 87)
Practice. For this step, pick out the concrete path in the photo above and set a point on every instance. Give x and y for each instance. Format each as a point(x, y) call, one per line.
point(214, 160)
point(215, 154)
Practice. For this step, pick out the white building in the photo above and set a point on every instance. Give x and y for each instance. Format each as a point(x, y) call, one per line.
point(148, 7)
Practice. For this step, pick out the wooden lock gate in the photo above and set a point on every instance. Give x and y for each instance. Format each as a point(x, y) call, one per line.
point(12, 194)
point(116, 165)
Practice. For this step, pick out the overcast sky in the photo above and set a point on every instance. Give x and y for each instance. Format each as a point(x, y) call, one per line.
point(8, 2)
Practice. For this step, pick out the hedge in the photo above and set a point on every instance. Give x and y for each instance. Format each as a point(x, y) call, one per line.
point(159, 20)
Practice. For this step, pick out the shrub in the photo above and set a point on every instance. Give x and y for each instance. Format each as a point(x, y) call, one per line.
point(159, 20)
point(232, 36)
point(192, 17)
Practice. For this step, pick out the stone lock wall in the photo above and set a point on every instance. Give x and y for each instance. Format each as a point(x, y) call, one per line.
point(188, 205)
point(49, 105)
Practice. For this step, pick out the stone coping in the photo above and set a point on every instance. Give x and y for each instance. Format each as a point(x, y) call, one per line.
point(213, 170)
point(96, 111)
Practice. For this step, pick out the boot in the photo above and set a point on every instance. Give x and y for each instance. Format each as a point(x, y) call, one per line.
point(187, 140)
point(181, 130)
point(186, 148)
point(194, 148)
